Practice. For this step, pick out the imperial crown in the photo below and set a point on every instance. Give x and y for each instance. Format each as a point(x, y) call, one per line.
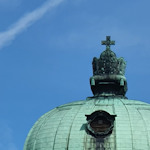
point(108, 63)
point(108, 70)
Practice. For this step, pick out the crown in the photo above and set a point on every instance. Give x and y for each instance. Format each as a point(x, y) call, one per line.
point(108, 72)
point(108, 63)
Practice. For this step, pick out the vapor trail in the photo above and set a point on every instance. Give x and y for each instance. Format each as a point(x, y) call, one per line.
point(27, 20)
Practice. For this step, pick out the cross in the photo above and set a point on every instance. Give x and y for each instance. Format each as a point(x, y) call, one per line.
point(108, 42)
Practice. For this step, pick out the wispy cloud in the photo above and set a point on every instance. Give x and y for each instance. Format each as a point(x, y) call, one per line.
point(27, 20)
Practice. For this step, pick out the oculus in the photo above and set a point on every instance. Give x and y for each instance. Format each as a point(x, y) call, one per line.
point(100, 123)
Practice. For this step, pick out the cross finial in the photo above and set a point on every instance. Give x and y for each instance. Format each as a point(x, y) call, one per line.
point(108, 42)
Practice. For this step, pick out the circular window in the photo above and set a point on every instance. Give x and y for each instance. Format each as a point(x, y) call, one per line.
point(100, 123)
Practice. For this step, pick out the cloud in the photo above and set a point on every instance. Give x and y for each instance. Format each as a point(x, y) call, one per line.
point(26, 21)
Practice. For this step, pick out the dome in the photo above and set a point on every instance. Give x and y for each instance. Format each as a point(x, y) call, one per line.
point(65, 127)
point(106, 121)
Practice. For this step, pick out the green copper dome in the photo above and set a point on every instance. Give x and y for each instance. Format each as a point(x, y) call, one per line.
point(63, 128)
point(106, 121)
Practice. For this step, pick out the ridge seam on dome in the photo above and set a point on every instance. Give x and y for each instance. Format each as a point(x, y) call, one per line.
point(44, 121)
point(57, 128)
point(71, 126)
point(145, 127)
point(129, 120)
point(113, 107)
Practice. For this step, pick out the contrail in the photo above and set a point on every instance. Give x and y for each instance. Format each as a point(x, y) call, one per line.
point(27, 20)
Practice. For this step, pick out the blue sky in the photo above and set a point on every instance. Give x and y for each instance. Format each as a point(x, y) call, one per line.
point(46, 50)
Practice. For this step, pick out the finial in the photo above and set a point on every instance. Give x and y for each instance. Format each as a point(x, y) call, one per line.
point(108, 42)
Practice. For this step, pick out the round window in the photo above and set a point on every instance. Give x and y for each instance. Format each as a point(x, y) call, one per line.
point(100, 123)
